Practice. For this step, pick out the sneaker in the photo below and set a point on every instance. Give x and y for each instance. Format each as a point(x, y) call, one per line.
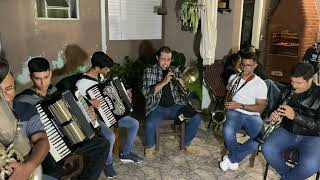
point(226, 164)
point(189, 150)
point(130, 158)
point(110, 172)
point(149, 152)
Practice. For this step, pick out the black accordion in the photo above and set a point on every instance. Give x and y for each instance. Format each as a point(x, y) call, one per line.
point(66, 123)
point(114, 100)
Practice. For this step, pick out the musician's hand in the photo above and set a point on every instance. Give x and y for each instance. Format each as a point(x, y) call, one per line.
point(181, 82)
point(95, 103)
point(129, 92)
point(21, 171)
point(287, 111)
point(232, 105)
point(168, 78)
point(273, 116)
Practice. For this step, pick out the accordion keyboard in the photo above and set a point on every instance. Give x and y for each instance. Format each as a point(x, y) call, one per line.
point(58, 148)
point(104, 109)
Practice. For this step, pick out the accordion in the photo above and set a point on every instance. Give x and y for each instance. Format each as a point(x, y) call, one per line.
point(114, 100)
point(65, 122)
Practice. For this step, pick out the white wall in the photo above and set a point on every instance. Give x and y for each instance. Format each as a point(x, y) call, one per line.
point(229, 29)
point(174, 37)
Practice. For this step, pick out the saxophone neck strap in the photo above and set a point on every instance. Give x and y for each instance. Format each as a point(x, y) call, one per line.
point(238, 82)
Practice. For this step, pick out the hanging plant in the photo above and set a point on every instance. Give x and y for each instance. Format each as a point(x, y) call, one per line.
point(190, 14)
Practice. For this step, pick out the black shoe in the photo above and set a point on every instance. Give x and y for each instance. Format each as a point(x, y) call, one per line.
point(130, 158)
point(110, 172)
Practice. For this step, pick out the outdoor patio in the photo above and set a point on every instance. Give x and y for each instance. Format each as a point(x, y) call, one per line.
point(171, 163)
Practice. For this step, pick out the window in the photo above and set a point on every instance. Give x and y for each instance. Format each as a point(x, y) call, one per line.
point(134, 19)
point(58, 9)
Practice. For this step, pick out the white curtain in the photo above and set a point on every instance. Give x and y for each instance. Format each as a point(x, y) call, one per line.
point(209, 10)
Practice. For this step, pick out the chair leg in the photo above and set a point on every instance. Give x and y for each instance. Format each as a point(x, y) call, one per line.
point(252, 158)
point(318, 174)
point(157, 139)
point(209, 123)
point(182, 127)
point(116, 146)
point(266, 172)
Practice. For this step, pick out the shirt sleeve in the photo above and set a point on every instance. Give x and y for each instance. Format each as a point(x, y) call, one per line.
point(34, 125)
point(262, 91)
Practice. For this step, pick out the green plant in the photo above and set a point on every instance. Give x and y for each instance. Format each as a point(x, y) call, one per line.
point(190, 14)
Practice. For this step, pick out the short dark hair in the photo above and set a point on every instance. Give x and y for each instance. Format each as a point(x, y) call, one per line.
point(247, 54)
point(165, 49)
point(302, 69)
point(232, 59)
point(101, 60)
point(38, 64)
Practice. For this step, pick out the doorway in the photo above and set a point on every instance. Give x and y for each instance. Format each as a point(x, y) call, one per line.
point(247, 23)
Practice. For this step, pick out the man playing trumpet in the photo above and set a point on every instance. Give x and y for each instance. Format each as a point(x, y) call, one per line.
point(164, 100)
point(300, 127)
point(248, 94)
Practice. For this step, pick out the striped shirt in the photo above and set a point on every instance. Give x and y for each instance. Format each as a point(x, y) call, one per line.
point(151, 77)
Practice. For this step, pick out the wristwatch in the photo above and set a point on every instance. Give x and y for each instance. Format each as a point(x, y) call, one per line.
point(242, 106)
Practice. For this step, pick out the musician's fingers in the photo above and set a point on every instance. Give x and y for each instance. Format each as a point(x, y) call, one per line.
point(13, 165)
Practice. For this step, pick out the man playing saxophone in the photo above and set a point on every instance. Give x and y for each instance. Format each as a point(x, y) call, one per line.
point(299, 129)
point(30, 126)
point(248, 94)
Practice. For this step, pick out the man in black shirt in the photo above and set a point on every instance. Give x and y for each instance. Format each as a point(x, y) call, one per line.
point(299, 129)
point(164, 100)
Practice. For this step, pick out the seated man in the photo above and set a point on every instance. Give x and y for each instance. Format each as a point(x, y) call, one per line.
point(246, 100)
point(101, 64)
point(164, 101)
point(274, 87)
point(299, 128)
point(40, 74)
point(31, 127)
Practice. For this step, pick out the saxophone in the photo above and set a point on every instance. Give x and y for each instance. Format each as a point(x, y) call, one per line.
point(219, 116)
point(274, 124)
point(14, 145)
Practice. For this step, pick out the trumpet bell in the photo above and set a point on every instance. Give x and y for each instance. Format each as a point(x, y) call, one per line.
point(190, 74)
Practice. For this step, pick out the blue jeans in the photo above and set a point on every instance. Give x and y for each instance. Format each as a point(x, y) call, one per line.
point(132, 126)
point(307, 146)
point(236, 120)
point(161, 113)
point(273, 95)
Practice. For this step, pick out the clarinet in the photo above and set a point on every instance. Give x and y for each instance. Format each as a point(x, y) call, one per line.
point(274, 124)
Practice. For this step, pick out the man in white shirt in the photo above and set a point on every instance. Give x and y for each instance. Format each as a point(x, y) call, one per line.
point(248, 94)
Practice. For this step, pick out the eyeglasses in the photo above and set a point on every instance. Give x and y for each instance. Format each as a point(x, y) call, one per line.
point(246, 65)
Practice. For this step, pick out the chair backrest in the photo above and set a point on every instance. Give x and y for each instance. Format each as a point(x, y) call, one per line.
point(212, 74)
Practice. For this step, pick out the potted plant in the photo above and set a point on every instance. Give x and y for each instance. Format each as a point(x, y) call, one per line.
point(190, 14)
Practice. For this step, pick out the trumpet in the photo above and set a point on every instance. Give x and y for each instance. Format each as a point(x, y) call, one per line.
point(274, 124)
point(189, 75)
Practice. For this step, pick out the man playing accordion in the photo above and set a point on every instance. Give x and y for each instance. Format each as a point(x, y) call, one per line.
point(101, 64)
point(93, 150)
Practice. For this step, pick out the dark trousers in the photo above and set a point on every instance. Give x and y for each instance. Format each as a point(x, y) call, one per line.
point(93, 151)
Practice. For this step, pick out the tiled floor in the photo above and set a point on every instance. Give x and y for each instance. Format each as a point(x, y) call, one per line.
point(171, 163)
